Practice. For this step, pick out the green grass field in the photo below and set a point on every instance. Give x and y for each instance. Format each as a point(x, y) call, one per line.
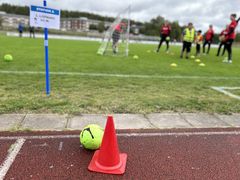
point(182, 89)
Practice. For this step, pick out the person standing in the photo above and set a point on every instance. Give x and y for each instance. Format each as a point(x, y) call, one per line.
point(20, 29)
point(199, 42)
point(119, 28)
point(208, 39)
point(32, 32)
point(222, 40)
point(165, 36)
point(188, 37)
point(230, 37)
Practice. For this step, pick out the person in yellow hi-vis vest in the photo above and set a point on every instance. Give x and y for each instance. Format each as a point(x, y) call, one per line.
point(188, 38)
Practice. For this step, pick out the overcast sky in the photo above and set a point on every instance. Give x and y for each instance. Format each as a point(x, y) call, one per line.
point(200, 12)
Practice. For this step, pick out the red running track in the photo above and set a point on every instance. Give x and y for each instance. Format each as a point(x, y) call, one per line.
point(159, 156)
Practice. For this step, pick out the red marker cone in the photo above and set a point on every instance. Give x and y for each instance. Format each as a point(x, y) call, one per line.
point(108, 160)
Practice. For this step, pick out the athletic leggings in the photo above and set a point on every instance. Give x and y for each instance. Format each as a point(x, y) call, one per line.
point(163, 38)
point(229, 48)
point(220, 47)
point(209, 46)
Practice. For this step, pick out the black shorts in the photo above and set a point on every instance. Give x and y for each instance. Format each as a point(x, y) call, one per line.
point(164, 37)
point(229, 42)
point(207, 42)
point(187, 45)
point(116, 36)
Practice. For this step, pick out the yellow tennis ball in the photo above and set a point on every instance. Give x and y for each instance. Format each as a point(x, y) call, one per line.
point(91, 137)
point(135, 57)
point(8, 57)
point(173, 65)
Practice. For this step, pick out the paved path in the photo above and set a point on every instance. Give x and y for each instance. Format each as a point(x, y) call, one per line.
point(39, 122)
point(160, 154)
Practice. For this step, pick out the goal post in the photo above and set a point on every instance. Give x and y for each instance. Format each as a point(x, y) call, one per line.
point(116, 38)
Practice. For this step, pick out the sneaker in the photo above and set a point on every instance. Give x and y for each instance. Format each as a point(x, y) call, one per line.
point(230, 61)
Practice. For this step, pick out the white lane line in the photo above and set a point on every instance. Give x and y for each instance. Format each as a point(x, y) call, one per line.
point(187, 134)
point(12, 154)
point(224, 91)
point(60, 146)
point(118, 75)
point(237, 133)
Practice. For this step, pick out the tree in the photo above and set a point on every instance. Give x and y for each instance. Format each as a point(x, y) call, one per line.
point(93, 27)
point(176, 31)
point(152, 28)
point(101, 27)
point(1, 21)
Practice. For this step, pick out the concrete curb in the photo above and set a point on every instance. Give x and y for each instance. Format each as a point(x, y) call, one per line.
point(55, 122)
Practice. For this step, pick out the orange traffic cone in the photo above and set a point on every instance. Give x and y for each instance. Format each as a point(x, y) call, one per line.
point(108, 160)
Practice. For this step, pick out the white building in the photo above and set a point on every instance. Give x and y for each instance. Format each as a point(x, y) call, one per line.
point(12, 20)
point(75, 24)
point(82, 24)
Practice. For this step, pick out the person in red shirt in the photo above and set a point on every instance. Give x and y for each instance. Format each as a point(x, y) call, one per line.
point(208, 39)
point(230, 36)
point(165, 35)
point(118, 30)
point(222, 41)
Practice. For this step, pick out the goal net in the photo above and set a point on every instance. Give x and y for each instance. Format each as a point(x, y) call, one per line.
point(116, 39)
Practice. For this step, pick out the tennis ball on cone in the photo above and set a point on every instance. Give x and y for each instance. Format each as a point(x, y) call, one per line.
point(8, 57)
point(202, 65)
point(135, 57)
point(91, 137)
point(198, 60)
point(168, 38)
point(173, 65)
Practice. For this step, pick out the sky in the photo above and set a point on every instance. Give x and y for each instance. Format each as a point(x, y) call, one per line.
point(200, 12)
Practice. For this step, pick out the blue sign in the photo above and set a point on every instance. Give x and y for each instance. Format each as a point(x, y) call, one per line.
point(45, 10)
point(44, 17)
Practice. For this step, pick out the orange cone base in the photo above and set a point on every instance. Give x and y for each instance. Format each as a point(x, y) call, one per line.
point(117, 170)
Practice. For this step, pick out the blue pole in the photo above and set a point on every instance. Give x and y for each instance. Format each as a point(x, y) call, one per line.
point(46, 56)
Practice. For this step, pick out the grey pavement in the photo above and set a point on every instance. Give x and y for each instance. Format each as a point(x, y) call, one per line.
point(55, 122)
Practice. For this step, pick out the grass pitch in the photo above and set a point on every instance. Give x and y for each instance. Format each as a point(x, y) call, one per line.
point(185, 88)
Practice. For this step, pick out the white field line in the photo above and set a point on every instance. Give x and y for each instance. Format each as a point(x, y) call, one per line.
point(11, 157)
point(224, 91)
point(118, 75)
point(179, 134)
